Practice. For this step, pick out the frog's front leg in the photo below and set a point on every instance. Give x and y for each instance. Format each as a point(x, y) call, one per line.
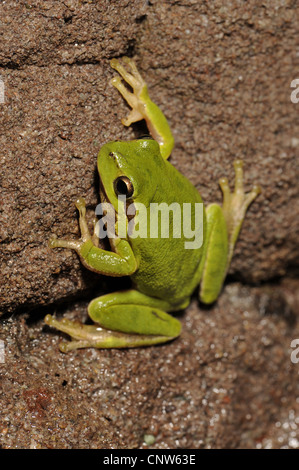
point(123, 320)
point(85, 235)
point(223, 227)
point(142, 106)
point(119, 262)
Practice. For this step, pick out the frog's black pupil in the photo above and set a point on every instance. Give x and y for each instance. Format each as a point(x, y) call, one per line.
point(121, 187)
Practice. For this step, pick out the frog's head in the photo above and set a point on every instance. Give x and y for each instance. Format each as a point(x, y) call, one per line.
point(130, 169)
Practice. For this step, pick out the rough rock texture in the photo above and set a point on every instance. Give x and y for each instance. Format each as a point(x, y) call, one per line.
point(59, 109)
point(228, 382)
point(221, 72)
point(222, 75)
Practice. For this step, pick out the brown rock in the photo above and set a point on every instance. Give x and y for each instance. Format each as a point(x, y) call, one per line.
point(221, 72)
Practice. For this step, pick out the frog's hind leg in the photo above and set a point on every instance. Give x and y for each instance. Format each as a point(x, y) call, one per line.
point(215, 256)
point(223, 227)
point(125, 319)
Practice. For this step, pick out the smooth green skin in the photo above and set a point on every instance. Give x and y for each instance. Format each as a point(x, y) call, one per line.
point(163, 271)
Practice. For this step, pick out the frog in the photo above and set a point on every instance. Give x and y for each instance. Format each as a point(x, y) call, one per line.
point(164, 273)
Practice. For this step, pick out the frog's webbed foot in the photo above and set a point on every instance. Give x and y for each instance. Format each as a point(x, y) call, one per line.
point(85, 235)
point(85, 336)
point(120, 321)
point(132, 77)
point(236, 203)
point(81, 334)
point(94, 336)
point(142, 106)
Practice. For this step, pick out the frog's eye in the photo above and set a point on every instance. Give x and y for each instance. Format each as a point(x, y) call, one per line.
point(123, 186)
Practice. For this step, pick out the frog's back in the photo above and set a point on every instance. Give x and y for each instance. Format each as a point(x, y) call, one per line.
point(168, 267)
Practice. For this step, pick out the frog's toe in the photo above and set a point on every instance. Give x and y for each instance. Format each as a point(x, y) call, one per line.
point(80, 204)
point(55, 242)
point(239, 197)
point(52, 241)
point(127, 60)
point(75, 329)
point(128, 71)
point(256, 189)
point(250, 197)
point(223, 182)
point(114, 63)
point(238, 200)
point(238, 164)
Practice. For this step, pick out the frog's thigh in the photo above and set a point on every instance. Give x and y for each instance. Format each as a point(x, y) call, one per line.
point(132, 312)
point(215, 265)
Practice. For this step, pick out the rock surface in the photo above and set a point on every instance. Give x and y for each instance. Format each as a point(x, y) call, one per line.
point(227, 382)
point(221, 72)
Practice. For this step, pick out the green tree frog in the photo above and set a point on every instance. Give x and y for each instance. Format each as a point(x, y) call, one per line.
point(164, 272)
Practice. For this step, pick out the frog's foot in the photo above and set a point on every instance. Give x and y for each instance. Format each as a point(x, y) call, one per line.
point(120, 321)
point(93, 336)
point(235, 204)
point(142, 106)
point(133, 78)
point(85, 235)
